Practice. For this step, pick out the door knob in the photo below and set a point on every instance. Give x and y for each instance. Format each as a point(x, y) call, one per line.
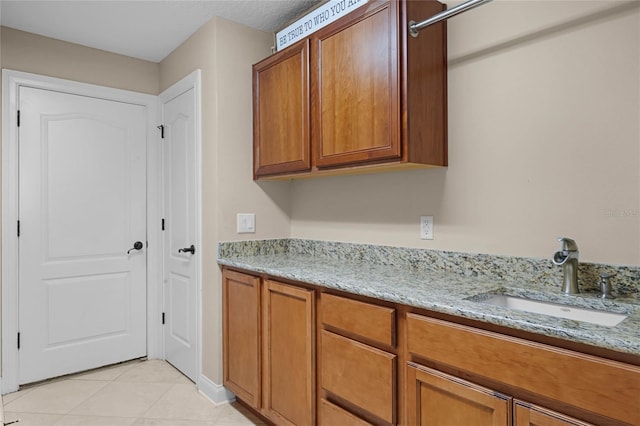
point(136, 246)
point(191, 250)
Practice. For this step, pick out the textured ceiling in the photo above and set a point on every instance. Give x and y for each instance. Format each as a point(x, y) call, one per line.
point(145, 29)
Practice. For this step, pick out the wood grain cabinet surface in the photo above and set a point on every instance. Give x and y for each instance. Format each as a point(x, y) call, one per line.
point(383, 364)
point(289, 373)
point(360, 374)
point(241, 337)
point(281, 128)
point(269, 347)
point(331, 415)
point(592, 384)
point(526, 414)
point(438, 399)
point(376, 96)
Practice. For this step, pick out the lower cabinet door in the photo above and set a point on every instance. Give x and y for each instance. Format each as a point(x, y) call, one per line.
point(288, 354)
point(531, 415)
point(241, 335)
point(438, 399)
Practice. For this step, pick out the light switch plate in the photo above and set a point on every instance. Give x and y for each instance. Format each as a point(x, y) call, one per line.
point(246, 223)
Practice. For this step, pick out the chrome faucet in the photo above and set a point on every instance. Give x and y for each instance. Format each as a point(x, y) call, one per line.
point(567, 257)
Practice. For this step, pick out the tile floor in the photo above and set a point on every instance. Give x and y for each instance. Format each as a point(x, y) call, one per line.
point(138, 393)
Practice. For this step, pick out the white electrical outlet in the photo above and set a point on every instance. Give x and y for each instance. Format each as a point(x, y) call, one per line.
point(246, 223)
point(426, 227)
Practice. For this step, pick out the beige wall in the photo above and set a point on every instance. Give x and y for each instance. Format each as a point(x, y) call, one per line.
point(224, 51)
point(32, 53)
point(544, 141)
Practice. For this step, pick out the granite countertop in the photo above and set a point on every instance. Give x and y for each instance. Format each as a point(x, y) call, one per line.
point(454, 294)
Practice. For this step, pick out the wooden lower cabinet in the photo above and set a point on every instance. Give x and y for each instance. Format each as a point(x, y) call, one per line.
point(438, 399)
point(526, 414)
point(241, 337)
point(269, 347)
point(372, 370)
point(288, 354)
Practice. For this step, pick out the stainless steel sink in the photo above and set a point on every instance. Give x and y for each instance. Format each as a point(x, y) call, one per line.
point(593, 316)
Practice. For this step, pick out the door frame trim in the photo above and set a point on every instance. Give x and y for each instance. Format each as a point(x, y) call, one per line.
point(11, 83)
point(191, 81)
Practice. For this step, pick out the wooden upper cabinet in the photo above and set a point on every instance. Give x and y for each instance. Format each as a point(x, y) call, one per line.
point(357, 110)
point(281, 112)
point(376, 98)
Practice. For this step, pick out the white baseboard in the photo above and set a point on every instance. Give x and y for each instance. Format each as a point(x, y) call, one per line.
point(218, 394)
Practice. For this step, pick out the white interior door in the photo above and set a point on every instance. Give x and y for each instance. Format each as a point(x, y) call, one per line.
point(181, 244)
point(82, 205)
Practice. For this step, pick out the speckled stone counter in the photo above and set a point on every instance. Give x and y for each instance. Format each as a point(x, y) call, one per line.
point(450, 283)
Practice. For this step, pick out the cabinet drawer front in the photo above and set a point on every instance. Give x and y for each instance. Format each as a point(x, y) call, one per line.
point(362, 375)
point(332, 415)
point(372, 322)
point(435, 398)
point(594, 384)
point(526, 414)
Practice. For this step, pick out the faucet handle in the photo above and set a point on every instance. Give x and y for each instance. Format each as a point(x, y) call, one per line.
point(568, 244)
point(605, 285)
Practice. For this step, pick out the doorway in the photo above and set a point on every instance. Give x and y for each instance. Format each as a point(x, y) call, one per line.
point(180, 110)
point(81, 253)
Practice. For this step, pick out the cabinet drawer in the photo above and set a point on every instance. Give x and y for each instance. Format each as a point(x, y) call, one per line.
point(594, 384)
point(332, 415)
point(365, 320)
point(360, 374)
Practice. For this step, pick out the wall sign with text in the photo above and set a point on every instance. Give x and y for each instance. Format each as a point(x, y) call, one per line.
point(315, 20)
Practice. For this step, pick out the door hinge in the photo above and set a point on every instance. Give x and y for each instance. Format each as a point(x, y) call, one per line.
point(18, 118)
point(163, 224)
point(18, 228)
point(163, 318)
point(161, 127)
point(18, 340)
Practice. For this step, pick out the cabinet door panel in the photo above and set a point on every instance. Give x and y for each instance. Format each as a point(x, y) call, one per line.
point(435, 398)
point(241, 335)
point(531, 415)
point(357, 105)
point(289, 354)
point(360, 374)
point(281, 112)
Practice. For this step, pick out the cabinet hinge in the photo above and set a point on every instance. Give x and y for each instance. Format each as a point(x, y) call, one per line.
point(18, 228)
point(163, 318)
point(161, 127)
point(18, 340)
point(163, 224)
point(18, 118)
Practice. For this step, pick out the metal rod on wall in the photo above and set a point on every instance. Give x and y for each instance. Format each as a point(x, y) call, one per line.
point(415, 27)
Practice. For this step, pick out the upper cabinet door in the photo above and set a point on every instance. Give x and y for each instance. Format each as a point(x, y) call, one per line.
point(356, 109)
point(281, 112)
